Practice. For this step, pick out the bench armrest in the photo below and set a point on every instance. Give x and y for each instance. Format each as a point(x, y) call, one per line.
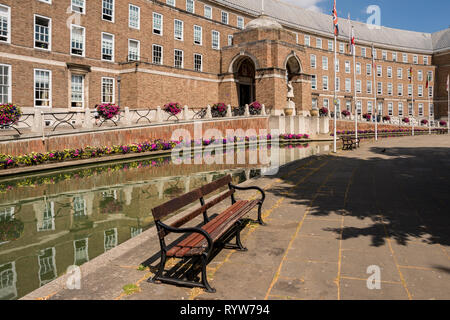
point(263, 195)
point(190, 230)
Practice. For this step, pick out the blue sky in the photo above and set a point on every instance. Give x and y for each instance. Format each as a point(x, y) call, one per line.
point(415, 15)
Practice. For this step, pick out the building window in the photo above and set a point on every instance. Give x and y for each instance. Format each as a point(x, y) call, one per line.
point(390, 109)
point(81, 251)
point(337, 65)
point(348, 105)
point(348, 85)
point(347, 67)
point(133, 50)
point(47, 266)
point(358, 68)
point(374, 53)
point(198, 65)
point(190, 6)
point(178, 27)
point(107, 47)
point(325, 82)
point(46, 220)
point(379, 71)
point(224, 17)
point(171, 2)
point(425, 60)
point(431, 109)
point(157, 54)
point(215, 40)
point(240, 24)
point(380, 88)
point(110, 239)
point(330, 45)
point(380, 108)
point(198, 35)
point(157, 23)
point(337, 84)
point(369, 69)
point(400, 73)
point(409, 90)
point(326, 103)
point(359, 107)
point(108, 10)
point(178, 58)
point(319, 43)
point(325, 63)
point(415, 59)
point(79, 207)
point(420, 109)
point(314, 82)
point(338, 106)
point(42, 88)
point(384, 55)
point(410, 109)
point(313, 61)
point(134, 16)
point(389, 72)
point(420, 90)
point(400, 109)
point(430, 76)
point(208, 12)
point(405, 57)
point(400, 89)
point(42, 28)
point(77, 41)
point(430, 91)
point(369, 86)
point(107, 90)
point(419, 75)
point(358, 86)
point(78, 6)
point(363, 52)
point(77, 91)
point(369, 107)
point(5, 24)
point(341, 47)
point(394, 56)
point(5, 83)
point(389, 89)
point(230, 39)
point(314, 102)
point(307, 40)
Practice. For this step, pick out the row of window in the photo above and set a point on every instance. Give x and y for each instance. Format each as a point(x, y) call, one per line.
point(364, 52)
point(370, 109)
point(379, 69)
point(348, 87)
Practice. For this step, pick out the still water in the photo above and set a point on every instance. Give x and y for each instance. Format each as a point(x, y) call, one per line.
point(53, 220)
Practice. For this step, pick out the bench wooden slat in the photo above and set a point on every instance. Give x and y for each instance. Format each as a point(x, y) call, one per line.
point(176, 204)
point(195, 238)
point(215, 185)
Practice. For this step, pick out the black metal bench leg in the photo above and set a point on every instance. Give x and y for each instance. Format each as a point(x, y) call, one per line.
point(205, 276)
point(160, 270)
point(260, 220)
point(238, 241)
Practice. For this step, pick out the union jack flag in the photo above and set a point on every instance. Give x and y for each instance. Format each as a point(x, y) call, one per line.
point(335, 20)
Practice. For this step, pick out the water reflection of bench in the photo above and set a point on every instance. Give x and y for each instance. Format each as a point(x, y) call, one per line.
point(215, 232)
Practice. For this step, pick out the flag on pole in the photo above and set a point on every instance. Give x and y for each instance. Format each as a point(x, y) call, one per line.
point(410, 74)
point(426, 85)
point(335, 20)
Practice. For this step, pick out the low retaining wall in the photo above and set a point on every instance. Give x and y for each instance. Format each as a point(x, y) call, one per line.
point(365, 125)
point(123, 135)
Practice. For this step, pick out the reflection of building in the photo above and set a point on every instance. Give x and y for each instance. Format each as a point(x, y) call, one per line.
point(8, 278)
point(81, 251)
point(47, 266)
point(72, 54)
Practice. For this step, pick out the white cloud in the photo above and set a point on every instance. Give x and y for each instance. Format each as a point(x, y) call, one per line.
point(307, 4)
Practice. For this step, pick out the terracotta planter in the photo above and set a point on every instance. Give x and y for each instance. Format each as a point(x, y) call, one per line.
point(314, 113)
point(288, 111)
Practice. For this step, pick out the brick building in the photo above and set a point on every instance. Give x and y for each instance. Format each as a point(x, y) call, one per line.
point(71, 54)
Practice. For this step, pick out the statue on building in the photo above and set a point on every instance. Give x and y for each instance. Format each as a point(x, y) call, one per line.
point(290, 107)
point(290, 93)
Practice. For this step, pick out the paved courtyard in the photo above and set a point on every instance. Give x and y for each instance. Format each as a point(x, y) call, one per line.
point(328, 219)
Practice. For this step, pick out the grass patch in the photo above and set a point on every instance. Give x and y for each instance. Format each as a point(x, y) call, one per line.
point(141, 267)
point(130, 289)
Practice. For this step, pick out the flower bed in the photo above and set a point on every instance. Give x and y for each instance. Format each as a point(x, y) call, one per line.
point(9, 114)
point(173, 108)
point(107, 110)
point(442, 123)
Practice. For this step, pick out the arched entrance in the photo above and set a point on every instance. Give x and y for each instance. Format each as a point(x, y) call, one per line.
point(293, 68)
point(245, 79)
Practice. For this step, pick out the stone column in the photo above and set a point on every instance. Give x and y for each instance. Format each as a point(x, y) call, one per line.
point(158, 114)
point(38, 124)
point(229, 113)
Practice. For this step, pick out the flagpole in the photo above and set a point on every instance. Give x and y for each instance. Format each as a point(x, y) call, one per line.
point(412, 98)
point(334, 101)
point(429, 112)
point(353, 47)
point(375, 87)
point(448, 106)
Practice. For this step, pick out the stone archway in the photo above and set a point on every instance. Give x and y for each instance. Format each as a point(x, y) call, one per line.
point(293, 74)
point(244, 70)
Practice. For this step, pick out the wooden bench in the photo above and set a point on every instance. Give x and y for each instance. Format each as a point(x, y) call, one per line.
point(200, 241)
point(350, 143)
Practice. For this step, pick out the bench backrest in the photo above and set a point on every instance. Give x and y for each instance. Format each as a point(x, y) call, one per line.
point(175, 204)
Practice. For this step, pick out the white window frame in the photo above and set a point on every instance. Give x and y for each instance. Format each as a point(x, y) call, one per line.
point(341, 47)
point(171, 3)
point(369, 87)
point(102, 92)
point(415, 59)
point(113, 47)
point(400, 109)
point(224, 14)
point(394, 56)
point(138, 49)
point(319, 41)
point(363, 52)
point(379, 71)
point(348, 85)
point(390, 89)
point(420, 90)
point(337, 84)
point(182, 58)
point(130, 6)
point(307, 40)
point(380, 88)
point(405, 57)
point(314, 82)
point(153, 23)
point(347, 67)
point(389, 72)
point(330, 45)
point(325, 81)
point(83, 7)
point(201, 34)
point(49, 33)
point(175, 30)
point(49, 87)
point(8, 17)
point(153, 54)
point(193, 6)
point(113, 11)
point(9, 84)
point(201, 62)
point(324, 63)
point(368, 69)
point(358, 68)
point(358, 86)
point(390, 108)
point(72, 26)
point(207, 9)
point(83, 93)
point(400, 89)
point(241, 25)
point(420, 110)
point(230, 39)
point(312, 58)
point(400, 73)
point(215, 32)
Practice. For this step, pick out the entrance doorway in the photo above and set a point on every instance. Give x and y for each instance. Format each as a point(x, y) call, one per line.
point(245, 77)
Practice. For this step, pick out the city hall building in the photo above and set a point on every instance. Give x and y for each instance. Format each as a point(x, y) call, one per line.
point(73, 54)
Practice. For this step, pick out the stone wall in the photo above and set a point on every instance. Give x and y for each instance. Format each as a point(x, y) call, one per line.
point(364, 125)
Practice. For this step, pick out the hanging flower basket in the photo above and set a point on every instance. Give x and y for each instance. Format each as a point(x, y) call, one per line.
point(9, 114)
point(346, 113)
point(386, 118)
point(107, 111)
point(255, 108)
point(323, 112)
point(367, 116)
point(442, 123)
point(219, 110)
point(10, 229)
point(406, 120)
point(424, 121)
point(172, 108)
